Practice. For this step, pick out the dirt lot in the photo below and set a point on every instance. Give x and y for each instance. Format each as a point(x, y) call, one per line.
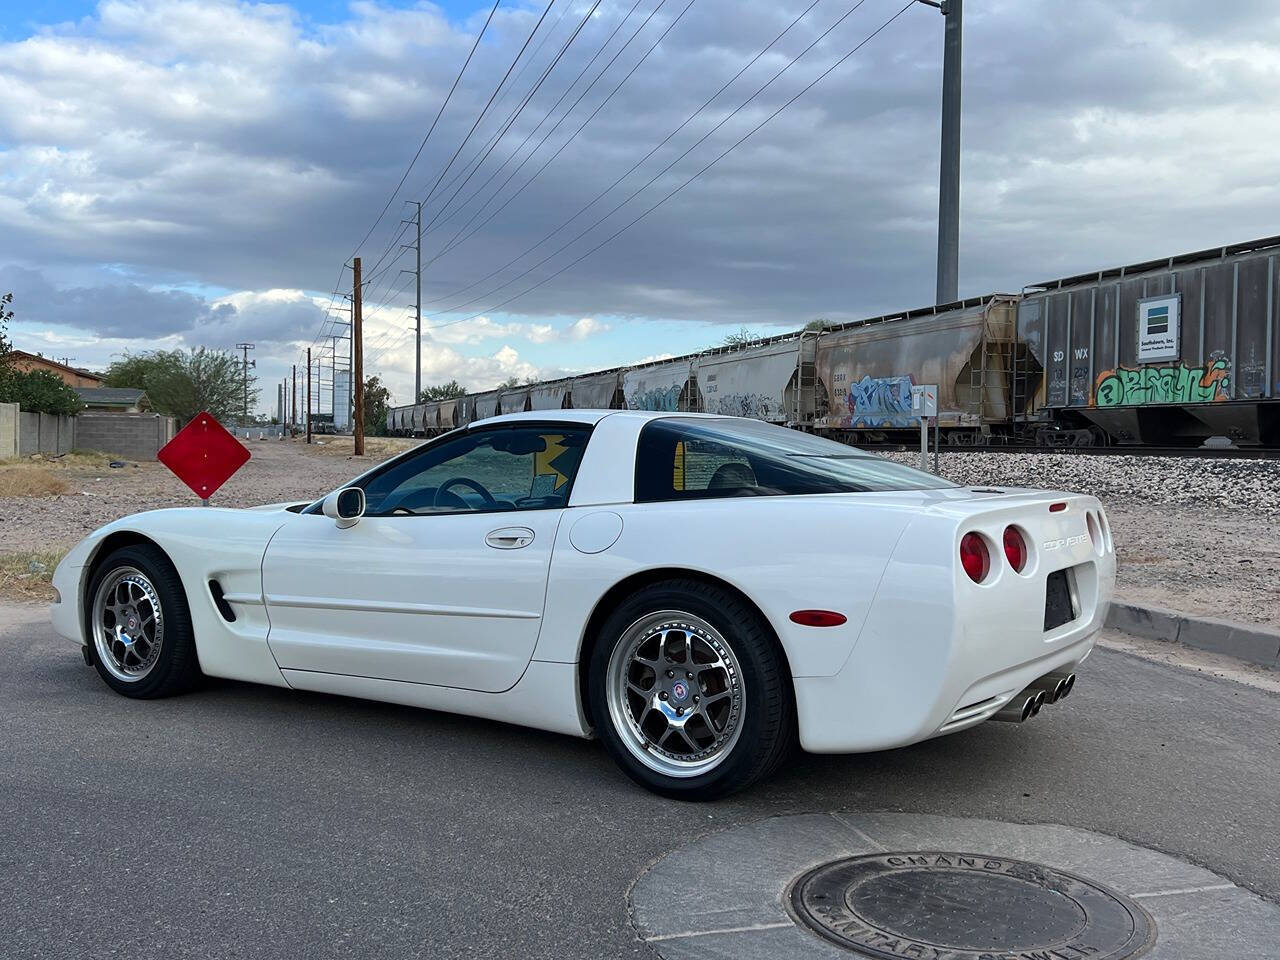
point(1199, 554)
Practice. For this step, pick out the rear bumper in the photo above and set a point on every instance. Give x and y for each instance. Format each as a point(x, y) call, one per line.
point(939, 653)
point(830, 722)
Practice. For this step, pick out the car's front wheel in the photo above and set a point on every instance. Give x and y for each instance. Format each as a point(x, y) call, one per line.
point(689, 691)
point(139, 626)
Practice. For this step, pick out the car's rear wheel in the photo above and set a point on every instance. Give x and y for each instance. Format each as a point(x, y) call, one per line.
point(139, 626)
point(689, 691)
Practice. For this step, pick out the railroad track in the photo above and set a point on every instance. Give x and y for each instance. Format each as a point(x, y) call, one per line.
point(1204, 453)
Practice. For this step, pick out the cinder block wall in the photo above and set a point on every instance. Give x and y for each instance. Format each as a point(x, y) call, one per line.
point(8, 431)
point(134, 436)
point(45, 433)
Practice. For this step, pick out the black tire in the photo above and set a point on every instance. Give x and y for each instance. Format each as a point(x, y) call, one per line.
point(176, 668)
point(768, 721)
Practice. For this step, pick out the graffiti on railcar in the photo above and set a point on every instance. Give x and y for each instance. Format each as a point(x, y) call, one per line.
point(881, 402)
point(757, 405)
point(664, 401)
point(1172, 383)
point(1079, 383)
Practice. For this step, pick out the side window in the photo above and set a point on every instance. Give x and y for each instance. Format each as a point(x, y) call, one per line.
point(706, 465)
point(680, 458)
point(512, 468)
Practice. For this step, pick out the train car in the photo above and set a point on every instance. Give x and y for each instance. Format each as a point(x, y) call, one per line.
point(1164, 352)
point(551, 395)
point(598, 391)
point(464, 411)
point(447, 415)
point(668, 385)
point(866, 370)
point(755, 381)
point(514, 400)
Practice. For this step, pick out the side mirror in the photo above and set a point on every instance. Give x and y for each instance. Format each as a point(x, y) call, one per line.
point(344, 507)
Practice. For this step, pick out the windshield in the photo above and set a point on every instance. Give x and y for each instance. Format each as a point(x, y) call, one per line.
point(680, 459)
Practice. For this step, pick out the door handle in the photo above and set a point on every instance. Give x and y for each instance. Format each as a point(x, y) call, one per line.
point(510, 538)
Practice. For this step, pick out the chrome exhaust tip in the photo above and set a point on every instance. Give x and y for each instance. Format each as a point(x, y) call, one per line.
point(1037, 702)
point(1055, 686)
point(1019, 709)
point(1068, 684)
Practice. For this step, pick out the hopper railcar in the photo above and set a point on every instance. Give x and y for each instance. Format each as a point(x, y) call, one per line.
point(1166, 352)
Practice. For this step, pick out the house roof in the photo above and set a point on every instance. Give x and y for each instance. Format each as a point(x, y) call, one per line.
point(25, 355)
point(111, 396)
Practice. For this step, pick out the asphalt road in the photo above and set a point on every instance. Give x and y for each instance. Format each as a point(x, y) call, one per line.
point(242, 821)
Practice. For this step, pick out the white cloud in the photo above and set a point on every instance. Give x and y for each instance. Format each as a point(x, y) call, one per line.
point(160, 146)
point(484, 328)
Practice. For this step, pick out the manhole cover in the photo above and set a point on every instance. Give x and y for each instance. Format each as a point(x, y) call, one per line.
point(963, 906)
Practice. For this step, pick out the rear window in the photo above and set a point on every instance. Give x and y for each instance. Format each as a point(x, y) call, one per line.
point(687, 459)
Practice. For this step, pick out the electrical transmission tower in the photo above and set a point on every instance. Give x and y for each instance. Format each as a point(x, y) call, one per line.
point(416, 246)
point(247, 363)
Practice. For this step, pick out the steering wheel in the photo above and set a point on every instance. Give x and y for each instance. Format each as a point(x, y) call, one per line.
point(466, 482)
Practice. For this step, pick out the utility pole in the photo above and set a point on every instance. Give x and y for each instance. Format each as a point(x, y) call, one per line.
point(293, 410)
point(308, 394)
point(417, 302)
point(357, 361)
point(949, 174)
point(245, 348)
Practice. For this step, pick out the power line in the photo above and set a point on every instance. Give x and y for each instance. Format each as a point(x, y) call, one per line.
point(699, 173)
point(697, 143)
point(689, 119)
point(439, 113)
point(454, 242)
point(569, 89)
point(480, 116)
point(477, 164)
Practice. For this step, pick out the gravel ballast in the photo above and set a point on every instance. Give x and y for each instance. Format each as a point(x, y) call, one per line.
point(1196, 535)
point(1193, 535)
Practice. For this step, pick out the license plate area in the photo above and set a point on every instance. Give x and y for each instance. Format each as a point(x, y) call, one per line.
point(1059, 601)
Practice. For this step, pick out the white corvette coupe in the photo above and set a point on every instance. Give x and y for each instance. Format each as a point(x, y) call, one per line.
point(700, 592)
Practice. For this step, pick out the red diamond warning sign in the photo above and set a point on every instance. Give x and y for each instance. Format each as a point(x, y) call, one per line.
point(203, 455)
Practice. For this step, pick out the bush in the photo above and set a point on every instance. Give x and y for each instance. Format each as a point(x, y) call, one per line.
point(38, 391)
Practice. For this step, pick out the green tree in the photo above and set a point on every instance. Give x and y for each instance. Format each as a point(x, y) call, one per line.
point(442, 391)
point(38, 391)
point(183, 383)
point(741, 338)
point(377, 401)
point(509, 384)
point(5, 346)
point(821, 323)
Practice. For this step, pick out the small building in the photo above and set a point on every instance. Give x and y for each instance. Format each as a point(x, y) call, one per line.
point(71, 376)
point(114, 399)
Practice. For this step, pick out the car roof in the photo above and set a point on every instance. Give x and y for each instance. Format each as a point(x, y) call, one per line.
point(585, 416)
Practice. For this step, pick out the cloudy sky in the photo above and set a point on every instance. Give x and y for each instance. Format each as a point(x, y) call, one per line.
point(196, 172)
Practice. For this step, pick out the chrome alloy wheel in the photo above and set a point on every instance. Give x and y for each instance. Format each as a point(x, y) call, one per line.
point(676, 694)
point(128, 624)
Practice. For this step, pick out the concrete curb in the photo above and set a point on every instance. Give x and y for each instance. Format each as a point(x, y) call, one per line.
point(1254, 644)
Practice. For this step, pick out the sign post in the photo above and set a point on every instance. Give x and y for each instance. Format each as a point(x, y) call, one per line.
point(204, 456)
point(924, 404)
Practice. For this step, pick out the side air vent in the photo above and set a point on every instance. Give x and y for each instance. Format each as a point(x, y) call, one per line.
point(220, 601)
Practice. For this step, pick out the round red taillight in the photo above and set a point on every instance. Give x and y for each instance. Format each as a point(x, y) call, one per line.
point(974, 557)
point(1015, 548)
